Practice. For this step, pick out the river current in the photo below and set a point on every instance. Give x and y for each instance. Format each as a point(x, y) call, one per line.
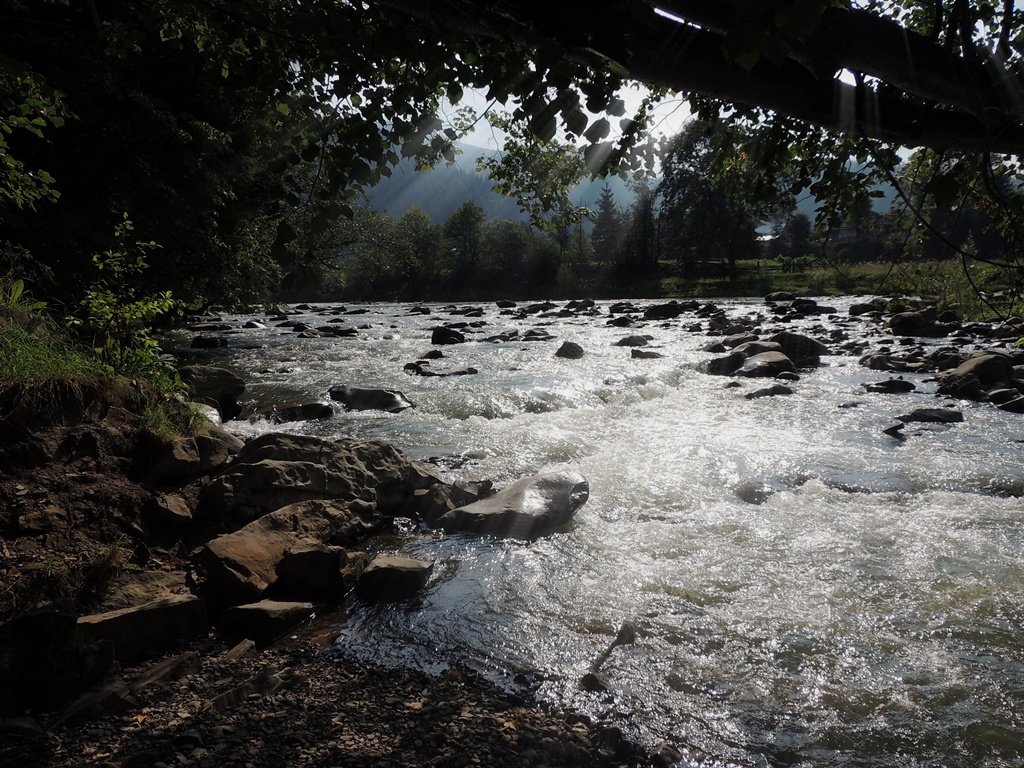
point(807, 590)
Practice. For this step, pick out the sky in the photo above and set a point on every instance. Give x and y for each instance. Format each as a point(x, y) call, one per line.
point(669, 116)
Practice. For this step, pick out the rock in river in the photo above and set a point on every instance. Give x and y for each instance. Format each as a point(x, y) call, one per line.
point(570, 350)
point(393, 577)
point(444, 335)
point(526, 509)
point(218, 387)
point(275, 470)
point(766, 364)
point(360, 399)
point(933, 416)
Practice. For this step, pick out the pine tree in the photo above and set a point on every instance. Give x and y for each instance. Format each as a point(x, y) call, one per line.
point(606, 237)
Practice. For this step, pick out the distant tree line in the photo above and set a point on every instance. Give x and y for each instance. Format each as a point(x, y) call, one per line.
point(692, 226)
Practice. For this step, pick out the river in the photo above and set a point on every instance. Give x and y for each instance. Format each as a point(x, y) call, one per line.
point(807, 590)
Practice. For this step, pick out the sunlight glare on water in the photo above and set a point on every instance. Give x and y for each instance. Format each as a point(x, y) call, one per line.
point(807, 591)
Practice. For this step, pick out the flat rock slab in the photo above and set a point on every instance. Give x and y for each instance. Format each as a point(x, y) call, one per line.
point(933, 416)
point(891, 386)
point(240, 566)
point(393, 577)
point(276, 470)
point(527, 509)
point(265, 621)
point(148, 629)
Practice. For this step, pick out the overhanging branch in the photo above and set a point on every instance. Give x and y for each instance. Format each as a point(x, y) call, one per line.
point(929, 97)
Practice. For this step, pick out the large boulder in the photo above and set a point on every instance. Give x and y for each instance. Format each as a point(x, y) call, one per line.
point(723, 366)
point(276, 470)
point(867, 307)
point(527, 509)
point(360, 399)
point(988, 367)
point(908, 323)
point(444, 335)
point(766, 365)
point(145, 630)
point(751, 348)
point(240, 566)
point(218, 387)
point(802, 350)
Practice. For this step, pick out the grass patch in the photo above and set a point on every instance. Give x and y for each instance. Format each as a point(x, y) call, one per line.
point(37, 357)
point(170, 418)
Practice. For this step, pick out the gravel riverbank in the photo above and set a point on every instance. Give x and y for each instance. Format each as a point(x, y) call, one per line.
point(302, 705)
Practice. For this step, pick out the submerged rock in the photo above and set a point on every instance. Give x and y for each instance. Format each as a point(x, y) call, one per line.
point(933, 415)
point(891, 386)
point(527, 509)
point(632, 341)
point(775, 389)
point(360, 399)
point(280, 414)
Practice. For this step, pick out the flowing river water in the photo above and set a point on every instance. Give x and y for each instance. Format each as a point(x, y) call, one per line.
point(807, 590)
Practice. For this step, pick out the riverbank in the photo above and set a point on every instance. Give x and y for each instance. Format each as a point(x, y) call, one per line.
point(124, 551)
point(301, 705)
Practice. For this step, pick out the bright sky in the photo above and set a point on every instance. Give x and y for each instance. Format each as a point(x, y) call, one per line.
point(669, 116)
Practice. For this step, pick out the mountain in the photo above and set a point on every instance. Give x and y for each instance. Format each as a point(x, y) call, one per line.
point(443, 188)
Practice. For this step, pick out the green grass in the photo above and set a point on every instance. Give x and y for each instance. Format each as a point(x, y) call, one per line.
point(33, 358)
point(170, 418)
point(37, 364)
point(943, 283)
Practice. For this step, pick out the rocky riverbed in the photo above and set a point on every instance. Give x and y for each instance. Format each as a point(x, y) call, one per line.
point(165, 597)
point(176, 551)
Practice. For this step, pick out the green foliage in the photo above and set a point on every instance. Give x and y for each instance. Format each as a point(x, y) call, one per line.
point(170, 418)
point(537, 172)
point(36, 357)
point(292, 107)
point(708, 218)
point(27, 108)
point(606, 236)
point(118, 318)
point(13, 296)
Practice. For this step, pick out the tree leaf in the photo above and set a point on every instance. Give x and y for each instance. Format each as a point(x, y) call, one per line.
point(597, 131)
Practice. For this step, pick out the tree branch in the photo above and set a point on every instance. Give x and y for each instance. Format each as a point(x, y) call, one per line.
point(929, 97)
